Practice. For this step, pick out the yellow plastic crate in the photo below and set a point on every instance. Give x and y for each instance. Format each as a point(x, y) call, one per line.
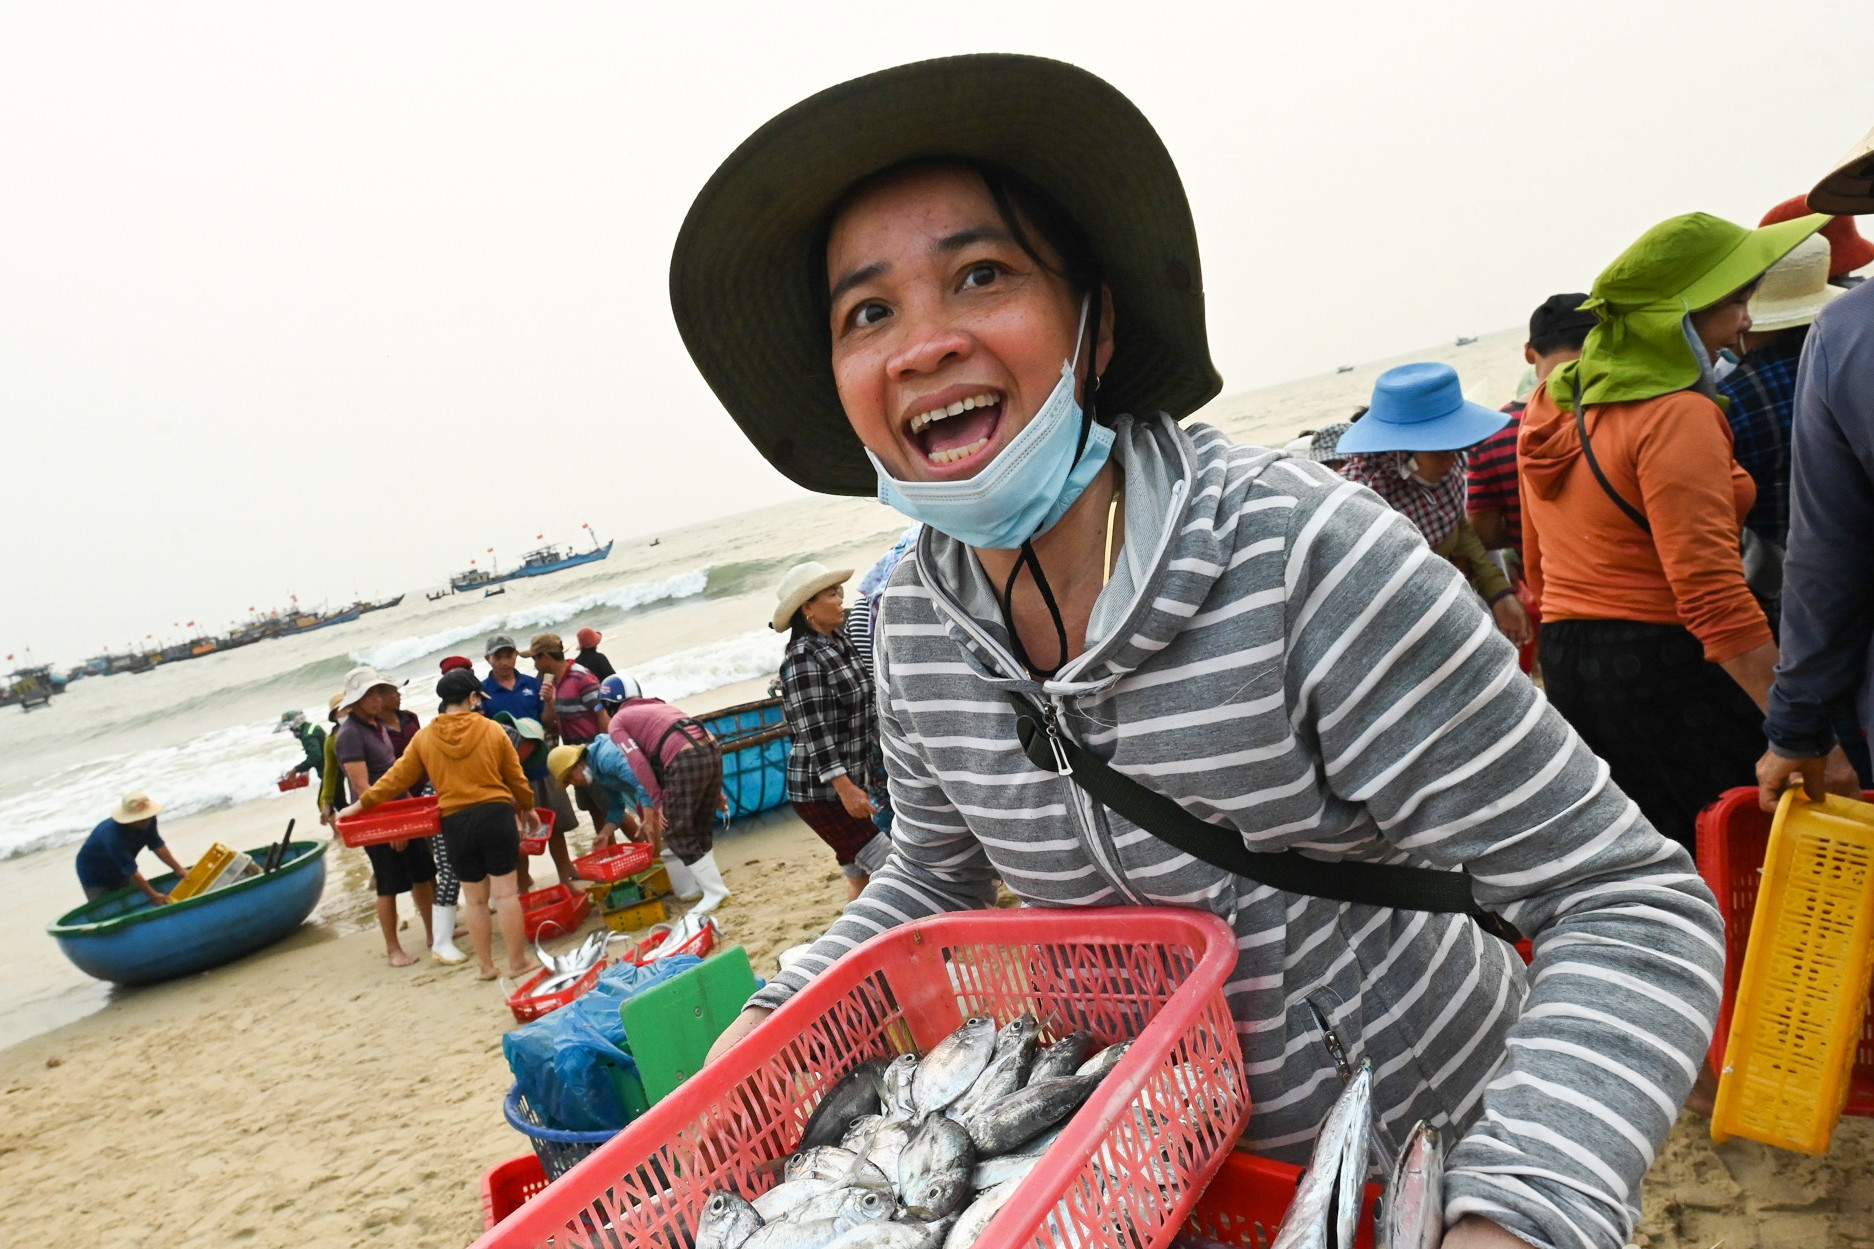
point(637, 915)
point(654, 881)
point(207, 869)
point(1804, 985)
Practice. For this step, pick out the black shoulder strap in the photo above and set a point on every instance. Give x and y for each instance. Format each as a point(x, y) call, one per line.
point(1587, 448)
point(1366, 884)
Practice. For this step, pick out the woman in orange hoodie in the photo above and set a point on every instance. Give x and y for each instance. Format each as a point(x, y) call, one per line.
point(1653, 646)
point(480, 789)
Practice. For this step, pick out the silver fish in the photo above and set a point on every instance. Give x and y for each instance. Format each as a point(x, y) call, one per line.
point(1008, 1066)
point(1353, 1157)
point(952, 1066)
point(991, 1172)
point(835, 1163)
point(884, 1141)
point(854, 1205)
point(779, 1201)
point(1008, 1122)
point(934, 1169)
point(906, 1235)
point(1316, 1206)
point(896, 1091)
point(975, 1217)
point(1063, 1058)
point(726, 1222)
point(855, 1094)
point(1104, 1061)
point(791, 1235)
point(1412, 1215)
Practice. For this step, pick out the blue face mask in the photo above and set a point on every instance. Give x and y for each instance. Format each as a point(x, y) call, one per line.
point(1024, 491)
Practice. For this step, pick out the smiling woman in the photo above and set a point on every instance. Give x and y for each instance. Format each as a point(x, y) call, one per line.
point(999, 327)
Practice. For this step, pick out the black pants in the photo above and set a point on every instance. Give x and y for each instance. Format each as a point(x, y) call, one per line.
point(1675, 730)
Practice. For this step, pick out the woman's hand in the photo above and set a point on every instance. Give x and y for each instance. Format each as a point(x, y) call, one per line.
point(1473, 1231)
point(744, 1024)
point(854, 799)
point(349, 812)
point(1513, 620)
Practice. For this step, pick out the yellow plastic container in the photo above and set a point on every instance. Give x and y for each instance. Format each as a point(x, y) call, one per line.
point(637, 915)
point(1804, 986)
point(654, 881)
point(207, 870)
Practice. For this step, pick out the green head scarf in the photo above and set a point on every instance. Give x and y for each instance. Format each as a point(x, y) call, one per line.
point(1642, 347)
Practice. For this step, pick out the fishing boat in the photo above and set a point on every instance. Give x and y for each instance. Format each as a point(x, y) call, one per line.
point(755, 740)
point(306, 624)
point(380, 605)
point(32, 687)
point(550, 558)
point(124, 938)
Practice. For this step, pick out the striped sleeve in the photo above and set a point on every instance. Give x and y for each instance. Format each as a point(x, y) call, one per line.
point(936, 862)
point(1419, 714)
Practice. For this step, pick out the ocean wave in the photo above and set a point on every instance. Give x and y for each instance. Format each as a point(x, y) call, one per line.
point(210, 772)
point(682, 673)
point(396, 654)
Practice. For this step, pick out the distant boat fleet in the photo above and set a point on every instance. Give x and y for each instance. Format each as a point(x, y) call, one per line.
point(33, 687)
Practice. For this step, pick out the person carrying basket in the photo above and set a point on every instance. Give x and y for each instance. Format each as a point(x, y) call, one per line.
point(1301, 710)
point(480, 790)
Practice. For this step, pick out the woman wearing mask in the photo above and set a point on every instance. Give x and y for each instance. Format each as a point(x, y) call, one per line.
point(1652, 645)
point(826, 694)
point(1408, 448)
point(999, 333)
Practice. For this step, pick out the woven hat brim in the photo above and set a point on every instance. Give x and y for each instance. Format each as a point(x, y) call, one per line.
point(743, 271)
point(1848, 189)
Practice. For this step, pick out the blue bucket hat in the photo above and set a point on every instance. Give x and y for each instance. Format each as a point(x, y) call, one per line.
point(1420, 407)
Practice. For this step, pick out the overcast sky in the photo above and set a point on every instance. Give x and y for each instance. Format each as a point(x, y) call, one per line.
point(326, 299)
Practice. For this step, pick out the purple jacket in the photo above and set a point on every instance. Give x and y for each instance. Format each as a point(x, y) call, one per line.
point(642, 726)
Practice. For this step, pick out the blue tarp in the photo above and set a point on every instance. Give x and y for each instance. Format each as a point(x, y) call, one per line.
point(559, 1060)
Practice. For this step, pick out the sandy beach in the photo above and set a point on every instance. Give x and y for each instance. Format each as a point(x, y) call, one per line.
point(312, 1096)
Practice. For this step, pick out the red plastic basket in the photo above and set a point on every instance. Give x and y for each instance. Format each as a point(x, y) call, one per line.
point(393, 821)
point(1160, 1125)
point(527, 1009)
point(614, 862)
point(1244, 1205)
point(538, 845)
point(556, 910)
point(509, 1185)
point(700, 945)
point(1733, 834)
point(299, 780)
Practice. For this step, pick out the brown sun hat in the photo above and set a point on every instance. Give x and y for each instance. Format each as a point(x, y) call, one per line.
point(1849, 187)
point(742, 273)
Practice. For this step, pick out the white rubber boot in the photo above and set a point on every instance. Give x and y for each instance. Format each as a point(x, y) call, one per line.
point(709, 876)
point(682, 883)
point(442, 921)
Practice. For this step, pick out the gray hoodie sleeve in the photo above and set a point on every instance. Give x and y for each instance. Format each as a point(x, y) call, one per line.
point(1419, 715)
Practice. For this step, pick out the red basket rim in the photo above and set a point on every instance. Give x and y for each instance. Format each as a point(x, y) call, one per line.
point(1215, 941)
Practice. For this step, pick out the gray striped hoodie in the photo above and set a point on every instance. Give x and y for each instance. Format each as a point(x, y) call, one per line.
point(1284, 656)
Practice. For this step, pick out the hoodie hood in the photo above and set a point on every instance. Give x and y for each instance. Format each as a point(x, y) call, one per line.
point(458, 734)
point(1548, 445)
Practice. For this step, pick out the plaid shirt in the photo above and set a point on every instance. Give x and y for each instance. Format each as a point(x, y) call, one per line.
point(1493, 484)
point(829, 703)
point(1762, 391)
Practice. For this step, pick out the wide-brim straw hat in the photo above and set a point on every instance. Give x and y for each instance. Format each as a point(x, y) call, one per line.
point(743, 273)
point(1794, 289)
point(1848, 188)
point(361, 681)
point(801, 583)
point(135, 806)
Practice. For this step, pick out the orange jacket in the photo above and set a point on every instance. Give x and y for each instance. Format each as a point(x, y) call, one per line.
point(470, 761)
point(1671, 458)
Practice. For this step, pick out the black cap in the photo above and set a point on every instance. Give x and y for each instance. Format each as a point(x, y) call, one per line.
point(456, 686)
point(1559, 324)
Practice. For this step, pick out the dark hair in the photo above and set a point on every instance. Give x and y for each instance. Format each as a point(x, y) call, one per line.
point(1020, 204)
point(797, 626)
point(1559, 325)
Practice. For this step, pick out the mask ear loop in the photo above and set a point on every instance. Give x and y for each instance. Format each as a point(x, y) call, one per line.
point(1027, 557)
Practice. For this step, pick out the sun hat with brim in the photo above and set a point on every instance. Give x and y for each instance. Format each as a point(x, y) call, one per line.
point(743, 273)
point(135, 806)
point(1420, 407)
point(1642, 346)
point(1849, 187)
point(1848, 248)
point(801, 583)
point(1794, 289)
point(361, 681)
point(561, 761)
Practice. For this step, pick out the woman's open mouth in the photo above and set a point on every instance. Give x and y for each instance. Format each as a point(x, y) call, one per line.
point(956, 431)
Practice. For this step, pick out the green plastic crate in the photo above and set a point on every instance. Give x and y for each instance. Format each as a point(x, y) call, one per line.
point(669, 1029)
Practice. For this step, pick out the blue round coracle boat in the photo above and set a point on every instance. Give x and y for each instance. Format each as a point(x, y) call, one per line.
point(124, 938)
